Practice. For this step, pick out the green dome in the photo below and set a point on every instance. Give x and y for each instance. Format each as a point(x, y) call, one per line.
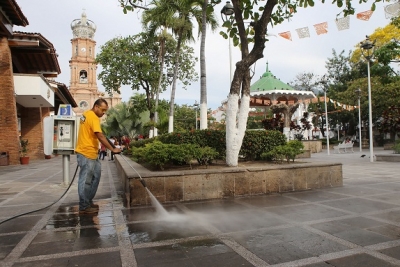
point(269, 82)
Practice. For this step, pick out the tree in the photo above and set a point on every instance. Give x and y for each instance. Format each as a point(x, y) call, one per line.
point(130, 61)
point(260, 15)
point(153, 21)
point(163, 17)
point(305, 81)
point(181, 11)
point(206, 18)
point(185, 118)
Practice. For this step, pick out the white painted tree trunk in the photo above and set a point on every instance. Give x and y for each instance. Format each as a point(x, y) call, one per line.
point(235, 129)
point(286, 132)
point(170, 124)
point(203, 116)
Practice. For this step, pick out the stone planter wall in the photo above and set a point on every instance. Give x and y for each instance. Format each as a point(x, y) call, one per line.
point(305, 154)
point(315, 146)
point(388, 157)
point(171, 186)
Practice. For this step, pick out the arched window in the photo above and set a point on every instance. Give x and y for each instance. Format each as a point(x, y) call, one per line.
point(83, 76)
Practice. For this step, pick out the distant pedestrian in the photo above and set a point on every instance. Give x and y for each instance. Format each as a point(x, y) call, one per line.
point(103, 151)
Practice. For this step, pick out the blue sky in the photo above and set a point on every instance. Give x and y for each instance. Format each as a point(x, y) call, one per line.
point(285, 58)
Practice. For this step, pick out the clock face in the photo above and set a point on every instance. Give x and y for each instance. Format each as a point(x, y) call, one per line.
point(83, 49)
point(84, 105)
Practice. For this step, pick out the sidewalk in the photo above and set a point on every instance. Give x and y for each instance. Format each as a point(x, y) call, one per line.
point(354, 225)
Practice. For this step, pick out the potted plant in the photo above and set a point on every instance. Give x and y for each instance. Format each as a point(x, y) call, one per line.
point(24, 150)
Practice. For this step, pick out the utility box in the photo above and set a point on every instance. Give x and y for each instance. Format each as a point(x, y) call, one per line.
point(4, 159)
point(60, 132)
point(64, 134)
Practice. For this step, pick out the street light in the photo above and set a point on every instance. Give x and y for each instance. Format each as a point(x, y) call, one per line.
point(326, 121)
point(196, 105)
point(358, 92)
point(325, 88)
point(367, 50)
point(227, 10)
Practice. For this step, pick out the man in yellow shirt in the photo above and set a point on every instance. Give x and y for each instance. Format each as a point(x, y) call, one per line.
point(87, 148)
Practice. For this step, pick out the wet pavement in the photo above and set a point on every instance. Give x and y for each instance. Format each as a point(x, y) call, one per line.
point(354, 225)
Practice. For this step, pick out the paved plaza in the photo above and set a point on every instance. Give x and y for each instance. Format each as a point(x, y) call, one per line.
point(354, 225)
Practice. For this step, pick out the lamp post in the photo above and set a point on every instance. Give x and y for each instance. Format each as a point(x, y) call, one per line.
point(326, 121)
point(358, 92)
point(367, 50)
point(227, 10)
point(196, 105)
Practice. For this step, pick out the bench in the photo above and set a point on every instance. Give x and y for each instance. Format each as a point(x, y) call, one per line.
point(344, 146)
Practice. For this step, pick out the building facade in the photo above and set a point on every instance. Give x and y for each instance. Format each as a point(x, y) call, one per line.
point(28, 66)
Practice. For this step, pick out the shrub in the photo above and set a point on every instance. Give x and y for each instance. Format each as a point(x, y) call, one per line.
point(396, 147)
point(254, 142)
point(206, 155)
point(159, 154)
point(289, 151)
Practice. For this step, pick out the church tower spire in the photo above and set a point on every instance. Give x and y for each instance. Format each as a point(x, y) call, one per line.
point(83, 66)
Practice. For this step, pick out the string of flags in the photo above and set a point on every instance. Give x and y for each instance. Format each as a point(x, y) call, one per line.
point(336, 104)
point(392, 10)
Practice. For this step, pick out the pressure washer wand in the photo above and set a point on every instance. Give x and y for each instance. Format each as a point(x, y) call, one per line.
point(122, 156)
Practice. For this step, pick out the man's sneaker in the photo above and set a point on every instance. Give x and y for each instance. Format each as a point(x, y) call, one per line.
point(89, 210)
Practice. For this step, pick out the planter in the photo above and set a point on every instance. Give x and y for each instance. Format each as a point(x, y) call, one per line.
point(388, 157)
point(24, 160)
point(315, 146)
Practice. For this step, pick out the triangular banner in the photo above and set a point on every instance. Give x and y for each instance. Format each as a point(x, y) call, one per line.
point(303, 32)
point(286, 35)
point(321, 28)
point(343, 23)
point(366, 15)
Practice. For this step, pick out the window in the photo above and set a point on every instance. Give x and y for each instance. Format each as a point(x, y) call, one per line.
point(83, 76)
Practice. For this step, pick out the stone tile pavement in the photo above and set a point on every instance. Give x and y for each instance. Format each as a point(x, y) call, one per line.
point(354, 225)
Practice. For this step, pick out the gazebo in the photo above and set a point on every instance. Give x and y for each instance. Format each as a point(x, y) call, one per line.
point(270, 92)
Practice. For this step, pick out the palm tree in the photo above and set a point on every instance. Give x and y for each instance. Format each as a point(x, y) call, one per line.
point(124, 119)
point(206, 18)
point(177, 15)
point(153, 20)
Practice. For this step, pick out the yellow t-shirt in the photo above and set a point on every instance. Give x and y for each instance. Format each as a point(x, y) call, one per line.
point(87, 143)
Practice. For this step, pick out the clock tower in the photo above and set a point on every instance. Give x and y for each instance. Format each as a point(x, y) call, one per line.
point(83, 82)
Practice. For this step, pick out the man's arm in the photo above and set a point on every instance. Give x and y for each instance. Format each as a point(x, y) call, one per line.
point(105, 142)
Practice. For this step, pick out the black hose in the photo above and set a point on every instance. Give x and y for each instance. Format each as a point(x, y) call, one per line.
point(29, 212)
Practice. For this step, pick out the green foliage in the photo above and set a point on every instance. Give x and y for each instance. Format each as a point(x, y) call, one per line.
point(206, 155)
point(254, 142)
point(390, 121)
point(131, 61)
point(24, 147)
point(289, 151)
point(125, 119)
point(202, 138)
point(396, 147)
point(160, 154)
point(257, 142)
